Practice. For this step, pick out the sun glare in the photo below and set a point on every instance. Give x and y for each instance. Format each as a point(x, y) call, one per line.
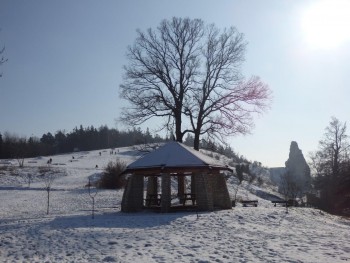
point(326, 24)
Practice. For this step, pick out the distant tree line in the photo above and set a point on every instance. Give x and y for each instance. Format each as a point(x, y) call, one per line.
point(80, 139)
point(91, 138)
point(331, 169)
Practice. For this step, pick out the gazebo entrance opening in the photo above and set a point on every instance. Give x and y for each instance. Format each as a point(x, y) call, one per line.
point(178, 192)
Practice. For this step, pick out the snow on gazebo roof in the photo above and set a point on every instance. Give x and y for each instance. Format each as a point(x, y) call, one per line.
point(175, 156)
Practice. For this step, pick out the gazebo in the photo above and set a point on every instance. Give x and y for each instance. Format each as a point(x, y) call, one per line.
point(152, 177)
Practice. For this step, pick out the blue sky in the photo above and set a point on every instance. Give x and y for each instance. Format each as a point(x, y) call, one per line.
point(65, 62)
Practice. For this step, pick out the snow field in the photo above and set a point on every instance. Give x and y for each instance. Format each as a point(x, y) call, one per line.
point(69, 234)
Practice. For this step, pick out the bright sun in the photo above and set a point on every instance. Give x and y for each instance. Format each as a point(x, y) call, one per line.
point(326, 23)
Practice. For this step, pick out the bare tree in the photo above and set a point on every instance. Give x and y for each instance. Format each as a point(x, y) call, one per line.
point(28, 177)
point(163, 65)
point(20, 160)
point(21, 151)
point(335, 147)
point(240, 177)
point(289, 188)
point(48, 175)
point(222, 101)
point(147, 147)
point(330, 164)
point(2, 58)
point(92, 193)
point(186, 70)
point(316, 163)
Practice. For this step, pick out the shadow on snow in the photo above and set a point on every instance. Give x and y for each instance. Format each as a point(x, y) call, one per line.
point(117, 220)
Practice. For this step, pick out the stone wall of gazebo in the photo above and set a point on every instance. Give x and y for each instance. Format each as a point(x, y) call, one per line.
point(210, 190)
point(133, 194)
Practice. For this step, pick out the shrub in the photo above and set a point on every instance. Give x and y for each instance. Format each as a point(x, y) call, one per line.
point(44, 170)
point(231, 163)
point(111, 177)
point(260, 181)
point(239, 173)
point(5, 168)
point(210, 154)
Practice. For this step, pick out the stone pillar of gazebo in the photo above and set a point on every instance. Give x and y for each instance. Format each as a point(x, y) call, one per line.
point(133, 194)
point(204, 192)
point(221, 196)
point(166, 193)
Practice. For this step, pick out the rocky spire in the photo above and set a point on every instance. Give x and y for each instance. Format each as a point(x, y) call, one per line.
point(298, 168)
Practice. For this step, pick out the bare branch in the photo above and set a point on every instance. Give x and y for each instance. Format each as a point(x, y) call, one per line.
point(2, 58)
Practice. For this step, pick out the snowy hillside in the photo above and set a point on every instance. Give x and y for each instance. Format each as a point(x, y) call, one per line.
point(69, 234)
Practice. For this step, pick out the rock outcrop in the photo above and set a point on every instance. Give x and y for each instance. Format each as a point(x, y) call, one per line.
point(297, 168)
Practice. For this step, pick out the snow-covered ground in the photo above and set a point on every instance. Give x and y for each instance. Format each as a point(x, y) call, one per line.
point(69, 234)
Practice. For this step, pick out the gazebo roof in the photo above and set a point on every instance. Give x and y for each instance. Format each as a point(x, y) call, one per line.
point(174, 157)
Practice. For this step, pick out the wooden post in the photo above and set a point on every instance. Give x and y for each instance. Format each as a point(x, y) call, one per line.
point(152, 185)
point(180, 186)
point(193, 184)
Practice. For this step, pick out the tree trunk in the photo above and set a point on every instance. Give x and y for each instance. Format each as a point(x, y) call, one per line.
point(93, 207)
point(178, 132)
point(197, 132)
point(48, 201)
point(196, 140)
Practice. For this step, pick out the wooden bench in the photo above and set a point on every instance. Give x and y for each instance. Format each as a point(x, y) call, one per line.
point(245, 203)
point(280, 202)
point(285, 203)
point(153, 199)
point(187, 197)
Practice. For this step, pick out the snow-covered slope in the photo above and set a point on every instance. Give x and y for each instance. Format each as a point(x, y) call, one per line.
point(69, 234)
